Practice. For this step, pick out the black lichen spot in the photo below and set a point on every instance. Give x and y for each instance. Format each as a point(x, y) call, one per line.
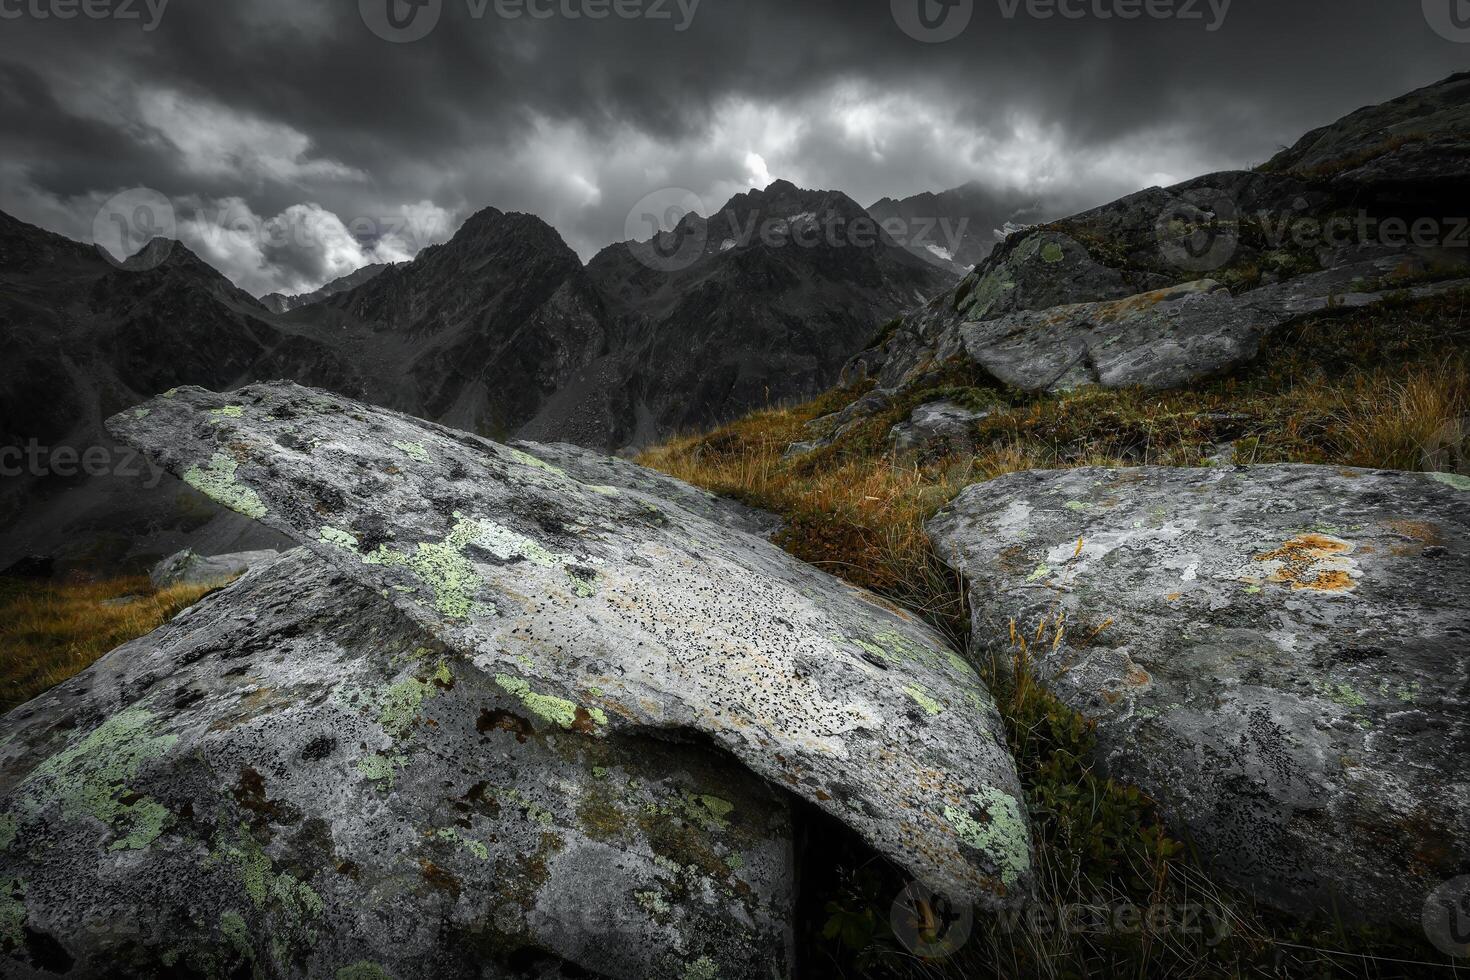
point(318, 748)
point(371, 531)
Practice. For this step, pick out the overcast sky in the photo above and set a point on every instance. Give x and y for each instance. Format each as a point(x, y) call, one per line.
point(275, 129)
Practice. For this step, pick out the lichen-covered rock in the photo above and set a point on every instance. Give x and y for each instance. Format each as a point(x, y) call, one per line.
point(937, 426)
point(188, 568)
point(605, 612)
point(1163, 339)
point(294, 779)
point(1032, 270)
point(1277, 654)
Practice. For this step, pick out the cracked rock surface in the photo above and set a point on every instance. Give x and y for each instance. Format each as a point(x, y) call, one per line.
point(1277, 654)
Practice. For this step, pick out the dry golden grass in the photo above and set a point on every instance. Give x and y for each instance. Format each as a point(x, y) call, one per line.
point(53, 631)
point(1414, 423)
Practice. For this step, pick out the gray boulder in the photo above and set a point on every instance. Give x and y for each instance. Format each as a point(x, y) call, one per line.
point(606, 611)
point(1163, 339)
point(294, 779)
point(1032, 270)
point(188, 568)
point(826, 430)
point(933, 426)
point(1278, 655)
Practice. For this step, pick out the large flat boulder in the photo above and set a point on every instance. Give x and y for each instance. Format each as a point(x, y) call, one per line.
point(295, 779)
point(610, 613)
point(1278, 655)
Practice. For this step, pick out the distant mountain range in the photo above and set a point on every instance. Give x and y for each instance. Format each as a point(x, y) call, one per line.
point(957, 229)
point(282, 303)
point(502, 330)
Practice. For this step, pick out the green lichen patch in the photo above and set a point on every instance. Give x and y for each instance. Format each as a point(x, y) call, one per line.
point(703, 968)
point(345, 540)
point(92, 777)
point(924, 698)
point(413, 450)
point(217, 482)
point(12, 913)
point(236, 934)
point(475, 847)
point(558, 711)
point(8, 826)
point(709, 812)
point(401, 704)
point(1001, 833)
point(228, 412)
point(381, 768)
point(1052, 253)
point(294, 906)
point(526, 459)
point(450, 575)
point(1455, 480)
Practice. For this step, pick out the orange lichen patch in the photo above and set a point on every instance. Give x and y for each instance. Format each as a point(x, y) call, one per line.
point(1138, 677)
point(1308, 547)
point(1174, 596)
point(1420, 531)
point(1333, 581)
point(1312, 561)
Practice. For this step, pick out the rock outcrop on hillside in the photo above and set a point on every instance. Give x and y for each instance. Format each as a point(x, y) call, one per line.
point(1276, 654)
point(1172, 285)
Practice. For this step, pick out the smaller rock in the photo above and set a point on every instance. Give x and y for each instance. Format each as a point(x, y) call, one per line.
point(829, 428)
point(937, 425)
point(187, 568)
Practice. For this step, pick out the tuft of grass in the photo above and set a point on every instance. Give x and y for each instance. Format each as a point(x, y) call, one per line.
point(52, 631)
point(1384, 387)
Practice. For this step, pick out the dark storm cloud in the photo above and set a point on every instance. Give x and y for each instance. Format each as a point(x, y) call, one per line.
point(252, 109)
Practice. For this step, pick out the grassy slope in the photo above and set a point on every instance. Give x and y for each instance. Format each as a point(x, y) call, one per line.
point(52, 631)
point(1385, 388)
